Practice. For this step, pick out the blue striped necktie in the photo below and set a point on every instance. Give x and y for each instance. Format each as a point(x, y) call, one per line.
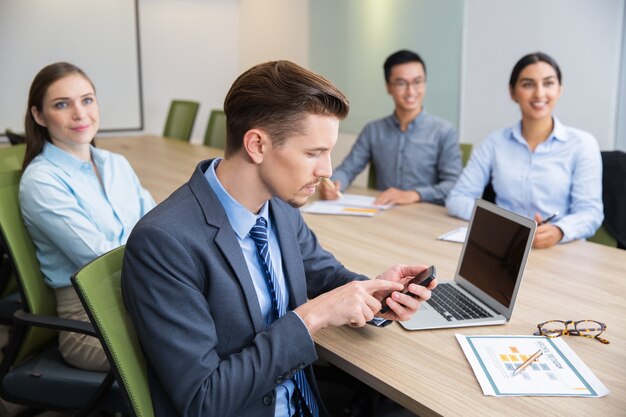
point(258, 233)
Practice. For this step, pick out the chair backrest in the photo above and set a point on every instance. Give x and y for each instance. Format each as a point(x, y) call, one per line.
point(37, 297)
point(215, 135)
point(466, 152)
point(98, 286)
point(11, 157)
point(8, 282)
point(371, 176)
point(180, 119)
point(14, 138)
point(614, 197)
point(603, 237)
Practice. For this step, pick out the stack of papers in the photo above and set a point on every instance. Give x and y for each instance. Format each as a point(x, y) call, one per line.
point(557, 372)
point(349, 205)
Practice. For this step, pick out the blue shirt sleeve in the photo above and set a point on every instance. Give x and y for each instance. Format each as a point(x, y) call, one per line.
point(448, 168)
point(586, 211)
point(472, 182)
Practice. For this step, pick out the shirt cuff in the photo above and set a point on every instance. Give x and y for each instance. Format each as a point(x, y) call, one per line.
point(427, 194)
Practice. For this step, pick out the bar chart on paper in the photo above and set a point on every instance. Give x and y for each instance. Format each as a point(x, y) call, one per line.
point(557, 372)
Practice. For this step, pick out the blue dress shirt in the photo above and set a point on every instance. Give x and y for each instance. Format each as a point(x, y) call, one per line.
point(71, 216)
point(563, 174)
point(241, 220)
point(425, 158)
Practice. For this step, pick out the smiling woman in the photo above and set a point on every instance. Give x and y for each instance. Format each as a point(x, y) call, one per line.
point(77, 201)
point(538, 166)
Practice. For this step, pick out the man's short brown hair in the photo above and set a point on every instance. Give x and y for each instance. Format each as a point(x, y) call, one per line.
point(276, 96)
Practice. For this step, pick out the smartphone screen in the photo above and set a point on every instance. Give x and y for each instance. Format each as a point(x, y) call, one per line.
point(423, 278)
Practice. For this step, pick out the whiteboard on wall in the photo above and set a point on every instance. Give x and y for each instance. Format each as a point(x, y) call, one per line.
point(101, 37)
point(583, 36)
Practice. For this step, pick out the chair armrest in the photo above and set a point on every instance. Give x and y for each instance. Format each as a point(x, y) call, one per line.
point(54, 322)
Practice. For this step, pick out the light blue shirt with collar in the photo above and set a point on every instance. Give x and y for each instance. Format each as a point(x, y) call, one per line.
point(241, 220)
point(563, 174)
point(71, 216)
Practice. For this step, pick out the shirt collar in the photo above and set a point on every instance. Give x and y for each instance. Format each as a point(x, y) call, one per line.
point(241, 219)
point(418, 119)
point(66, 161)
point(558, 132)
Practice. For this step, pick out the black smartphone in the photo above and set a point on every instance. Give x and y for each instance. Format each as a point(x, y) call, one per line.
point(423, 278)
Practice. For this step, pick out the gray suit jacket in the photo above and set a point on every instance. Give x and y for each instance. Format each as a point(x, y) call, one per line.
point(191, 298)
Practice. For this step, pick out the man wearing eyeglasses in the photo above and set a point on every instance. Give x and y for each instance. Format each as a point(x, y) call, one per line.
point(415, 155)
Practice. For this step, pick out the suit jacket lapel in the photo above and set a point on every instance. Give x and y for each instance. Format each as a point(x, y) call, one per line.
point(226, 240)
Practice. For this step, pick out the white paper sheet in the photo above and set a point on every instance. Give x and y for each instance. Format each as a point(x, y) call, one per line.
point(349, 205)
point(456, 235)
point(558, 372)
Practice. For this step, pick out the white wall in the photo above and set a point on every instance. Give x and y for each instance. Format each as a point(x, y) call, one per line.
point(584, 36)
point(194, 49)
point(273, 30)
point(36, 33)
point(189, 50)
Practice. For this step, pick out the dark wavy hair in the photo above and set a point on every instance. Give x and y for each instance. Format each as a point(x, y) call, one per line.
point(276, 96)
point(37, 135)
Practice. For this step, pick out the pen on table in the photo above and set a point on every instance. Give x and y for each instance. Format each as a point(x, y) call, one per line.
point(547, 219)
point(332, 186)
point(527, 362)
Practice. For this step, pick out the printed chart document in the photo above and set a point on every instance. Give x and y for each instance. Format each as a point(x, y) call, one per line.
point(349, 204)
point(456, 235)
point(558, 372)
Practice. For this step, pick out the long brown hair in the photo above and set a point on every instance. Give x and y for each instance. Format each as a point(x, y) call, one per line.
point(37, 135)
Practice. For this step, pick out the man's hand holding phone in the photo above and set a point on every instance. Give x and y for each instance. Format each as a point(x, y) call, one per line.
point(426, 278)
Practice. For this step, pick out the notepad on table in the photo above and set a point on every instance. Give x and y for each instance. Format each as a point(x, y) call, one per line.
point(349, 204)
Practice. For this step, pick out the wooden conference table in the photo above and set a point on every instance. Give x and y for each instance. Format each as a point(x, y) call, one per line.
point(426, 371)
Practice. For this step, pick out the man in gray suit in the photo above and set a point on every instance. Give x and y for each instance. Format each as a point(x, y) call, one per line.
point(224, 281)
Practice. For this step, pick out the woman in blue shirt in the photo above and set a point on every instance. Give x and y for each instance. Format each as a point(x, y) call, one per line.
point(539, 167)
point(77, 201)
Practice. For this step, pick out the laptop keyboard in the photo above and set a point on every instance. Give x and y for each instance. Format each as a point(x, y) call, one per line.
point(454, 305)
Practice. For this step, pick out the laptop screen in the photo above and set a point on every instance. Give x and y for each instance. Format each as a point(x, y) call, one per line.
point(494, 253)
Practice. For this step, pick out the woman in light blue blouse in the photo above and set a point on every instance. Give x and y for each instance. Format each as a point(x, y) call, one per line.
point(77, 201)
point(538, 167)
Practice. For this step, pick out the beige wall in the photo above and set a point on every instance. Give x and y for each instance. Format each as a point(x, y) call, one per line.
point(272, 30)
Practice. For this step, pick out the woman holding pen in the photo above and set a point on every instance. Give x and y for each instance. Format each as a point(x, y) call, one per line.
point(539, 167)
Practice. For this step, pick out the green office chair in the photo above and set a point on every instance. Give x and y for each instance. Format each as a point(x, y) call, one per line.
point(180, 119)
point(32, 372)
point(371, 176)
point(466, 152)
point(12, 157)
point(10, 300)
point(604, 237)
point(215, 135)
point(98, 286)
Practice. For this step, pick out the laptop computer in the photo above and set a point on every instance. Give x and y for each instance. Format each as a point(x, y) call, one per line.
point(488, 275)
